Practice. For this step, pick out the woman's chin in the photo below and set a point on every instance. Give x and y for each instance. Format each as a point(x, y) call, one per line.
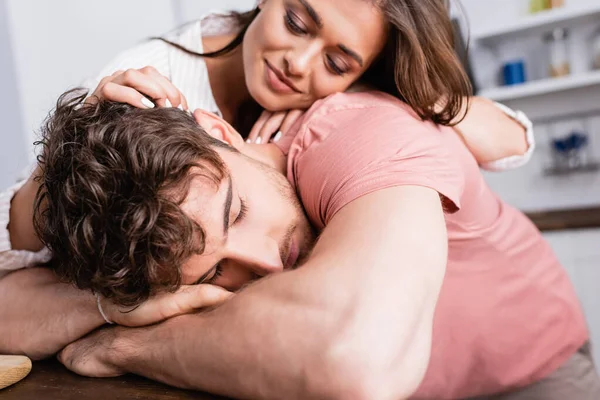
point(274, 102)
point(269, 101)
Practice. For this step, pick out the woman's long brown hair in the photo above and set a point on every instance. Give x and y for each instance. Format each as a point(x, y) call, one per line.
point(250, 110)
point(418, 65)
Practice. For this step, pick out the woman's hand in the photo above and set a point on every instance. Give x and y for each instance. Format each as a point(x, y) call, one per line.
point(273, 125)
point(185, 300)
point(142, 88)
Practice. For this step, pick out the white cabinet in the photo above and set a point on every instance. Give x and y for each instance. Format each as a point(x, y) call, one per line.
point(579, 252)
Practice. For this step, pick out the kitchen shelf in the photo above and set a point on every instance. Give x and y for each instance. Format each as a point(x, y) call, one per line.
point(541, 87)
point(557, 220)
point(540, 23)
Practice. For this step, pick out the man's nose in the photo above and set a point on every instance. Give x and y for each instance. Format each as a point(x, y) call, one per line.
point(260, 255)
point(299, 60)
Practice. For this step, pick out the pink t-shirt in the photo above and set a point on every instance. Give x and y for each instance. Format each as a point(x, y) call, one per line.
point(507, 314)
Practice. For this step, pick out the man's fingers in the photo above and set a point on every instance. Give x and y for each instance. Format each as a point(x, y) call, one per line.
point(205, 295)
point(61, 356)
point(191, 298)
point(185, 300)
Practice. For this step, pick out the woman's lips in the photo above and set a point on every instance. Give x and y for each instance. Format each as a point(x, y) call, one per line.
point(275, 83)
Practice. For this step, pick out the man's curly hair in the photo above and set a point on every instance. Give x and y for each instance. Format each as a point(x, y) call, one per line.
point(112, 183)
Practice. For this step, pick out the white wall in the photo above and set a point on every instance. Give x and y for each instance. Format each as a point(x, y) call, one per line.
point(57, 44)
point(12, 148)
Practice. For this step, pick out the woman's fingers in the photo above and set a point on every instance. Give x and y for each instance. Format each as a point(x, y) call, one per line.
point(143, 88)
point(258, 125)
point(173, 95)
point(290, 119)
point(125, 94)
point(271, 127)
point(95, 96)
point(146, 85)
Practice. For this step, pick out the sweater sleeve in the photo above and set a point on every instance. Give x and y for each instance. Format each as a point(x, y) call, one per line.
point(516, 161)
point(15, 259)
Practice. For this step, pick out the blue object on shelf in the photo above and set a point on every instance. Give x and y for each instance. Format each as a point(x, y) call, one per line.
point(514, 73)
point(573, 142)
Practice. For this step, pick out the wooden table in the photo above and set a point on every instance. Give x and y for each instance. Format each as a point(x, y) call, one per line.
point(49, 380)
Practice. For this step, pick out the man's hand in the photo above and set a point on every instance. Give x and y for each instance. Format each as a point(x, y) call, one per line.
point(90, 355)
point(185, 300)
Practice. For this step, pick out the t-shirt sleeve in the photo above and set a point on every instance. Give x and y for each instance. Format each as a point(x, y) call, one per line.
point(343, 155)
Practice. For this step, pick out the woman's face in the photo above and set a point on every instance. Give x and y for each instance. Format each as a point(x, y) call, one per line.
point(299, 51)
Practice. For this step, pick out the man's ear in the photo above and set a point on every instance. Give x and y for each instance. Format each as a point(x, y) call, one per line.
point(260, 4)
point(218, 128)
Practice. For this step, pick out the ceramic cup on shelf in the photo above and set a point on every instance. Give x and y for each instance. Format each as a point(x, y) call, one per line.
point(514, 72)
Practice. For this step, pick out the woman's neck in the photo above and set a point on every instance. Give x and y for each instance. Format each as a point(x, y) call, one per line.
point(226, 76)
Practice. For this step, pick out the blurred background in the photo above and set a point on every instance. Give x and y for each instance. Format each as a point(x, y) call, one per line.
point(539, 56)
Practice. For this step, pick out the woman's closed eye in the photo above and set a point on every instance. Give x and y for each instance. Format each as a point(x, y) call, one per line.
point(336, 66)
point(294, 23)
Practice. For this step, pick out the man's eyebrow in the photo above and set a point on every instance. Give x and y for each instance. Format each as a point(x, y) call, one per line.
point(227, 208)
point(312, 13)
point(352, 54)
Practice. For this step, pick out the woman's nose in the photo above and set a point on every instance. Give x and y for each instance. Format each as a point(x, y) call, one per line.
point(299, 60)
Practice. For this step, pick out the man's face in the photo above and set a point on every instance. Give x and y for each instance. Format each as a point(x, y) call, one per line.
point(253, 222)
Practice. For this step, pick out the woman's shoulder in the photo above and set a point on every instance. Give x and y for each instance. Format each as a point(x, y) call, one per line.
point(217, 23)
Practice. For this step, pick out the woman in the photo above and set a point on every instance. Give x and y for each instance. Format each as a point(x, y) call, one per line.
point(286, 54)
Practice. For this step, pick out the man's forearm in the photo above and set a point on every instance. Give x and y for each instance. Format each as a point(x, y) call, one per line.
point(238, 350)
point(40, 315)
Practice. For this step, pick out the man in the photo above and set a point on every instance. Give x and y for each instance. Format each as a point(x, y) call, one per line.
point(357, 320)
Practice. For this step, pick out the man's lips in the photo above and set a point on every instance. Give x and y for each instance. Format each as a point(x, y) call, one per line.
point(281, 77)
point(293, 253)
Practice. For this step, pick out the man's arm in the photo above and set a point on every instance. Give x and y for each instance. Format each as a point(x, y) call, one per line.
point(354, 322)
point(41, 315)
